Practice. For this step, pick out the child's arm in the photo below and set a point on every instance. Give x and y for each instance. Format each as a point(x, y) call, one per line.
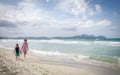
point(19, 50)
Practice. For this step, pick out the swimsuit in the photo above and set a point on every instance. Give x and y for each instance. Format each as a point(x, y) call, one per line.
point(25, 47)
point(17, 51)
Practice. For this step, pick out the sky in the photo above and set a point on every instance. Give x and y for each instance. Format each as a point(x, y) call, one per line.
point(50, 18)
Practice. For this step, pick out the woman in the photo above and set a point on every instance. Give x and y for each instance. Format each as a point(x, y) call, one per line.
point(24, 48)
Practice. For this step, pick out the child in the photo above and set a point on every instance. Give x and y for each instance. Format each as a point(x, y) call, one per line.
point(17, 52)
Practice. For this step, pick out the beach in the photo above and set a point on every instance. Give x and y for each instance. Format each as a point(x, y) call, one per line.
point(34, 66)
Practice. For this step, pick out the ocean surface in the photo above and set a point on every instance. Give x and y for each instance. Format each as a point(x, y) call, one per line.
point(100, 49)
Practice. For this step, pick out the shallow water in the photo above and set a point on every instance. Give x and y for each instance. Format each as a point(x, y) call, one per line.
point(79, 48)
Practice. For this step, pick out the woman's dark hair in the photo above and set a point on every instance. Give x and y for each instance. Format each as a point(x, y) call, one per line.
point(25, 39)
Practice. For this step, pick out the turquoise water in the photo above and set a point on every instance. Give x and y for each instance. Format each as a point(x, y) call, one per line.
point(109, 48)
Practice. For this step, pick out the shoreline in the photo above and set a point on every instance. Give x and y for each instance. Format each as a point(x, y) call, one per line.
point(64, 60)
point(34, 65)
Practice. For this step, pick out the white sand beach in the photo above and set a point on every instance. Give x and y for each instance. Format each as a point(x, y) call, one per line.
point(33, 66)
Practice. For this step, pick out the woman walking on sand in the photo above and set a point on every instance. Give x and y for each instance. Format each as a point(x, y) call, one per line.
point(24, 47)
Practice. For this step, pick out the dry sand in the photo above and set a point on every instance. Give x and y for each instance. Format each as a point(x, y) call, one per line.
point(33, 66)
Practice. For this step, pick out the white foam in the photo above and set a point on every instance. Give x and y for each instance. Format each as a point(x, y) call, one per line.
point(68, 42)
point(107, 43)
point(6, 40)
point(57, 41)
point(1, 46)
point(9, 48)
point(76, 57)
point(47, 52)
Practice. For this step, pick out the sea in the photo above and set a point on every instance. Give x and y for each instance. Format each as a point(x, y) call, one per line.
point(107, 50)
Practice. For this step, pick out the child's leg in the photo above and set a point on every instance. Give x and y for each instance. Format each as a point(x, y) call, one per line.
point(16, 57)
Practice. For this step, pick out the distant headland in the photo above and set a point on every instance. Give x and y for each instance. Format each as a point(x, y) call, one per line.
point(83, 36)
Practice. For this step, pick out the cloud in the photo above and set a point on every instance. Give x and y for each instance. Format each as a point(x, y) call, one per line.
point(85, 11)
point(79, 7)
point(26, 10)
point(23, 17)
point(76, 7)
point(6, 24)
point(7, 12)
point(70, 29)
point(98, 8)
point(29, 13)
point(92, 23)
point(91, 12)
point(47, 0)
point(104, 23)
point(32, 19)
point(115, 13)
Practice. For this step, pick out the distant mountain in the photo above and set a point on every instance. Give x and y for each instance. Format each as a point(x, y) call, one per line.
point(84, 36)
point(3, 37)
point(32, 37)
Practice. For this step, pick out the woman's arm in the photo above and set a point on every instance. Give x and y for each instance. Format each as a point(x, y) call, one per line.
point(22, 46)
point(27, 47)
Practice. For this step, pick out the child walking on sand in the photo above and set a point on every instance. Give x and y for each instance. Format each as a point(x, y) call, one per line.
point(17, 52)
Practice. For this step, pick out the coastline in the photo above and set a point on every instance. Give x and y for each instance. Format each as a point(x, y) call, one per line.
point(33, 65)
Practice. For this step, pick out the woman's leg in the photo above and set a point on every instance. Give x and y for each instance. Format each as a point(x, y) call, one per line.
point(25, 52)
